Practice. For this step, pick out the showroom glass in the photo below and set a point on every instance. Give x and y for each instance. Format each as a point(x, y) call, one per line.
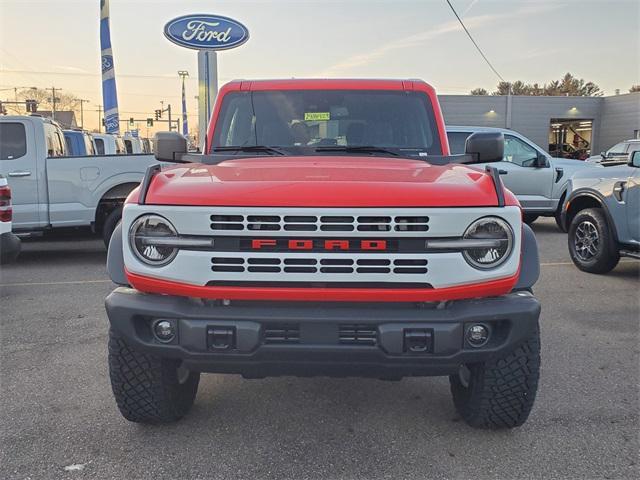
point(518, 152)
point(13, 141)
point(307, 119)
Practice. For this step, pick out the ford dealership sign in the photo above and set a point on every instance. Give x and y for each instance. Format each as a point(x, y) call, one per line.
point(206, 32)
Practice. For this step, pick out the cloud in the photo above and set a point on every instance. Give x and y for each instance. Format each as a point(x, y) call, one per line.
point(469, 7)
point(418, 39)
point(69, 68)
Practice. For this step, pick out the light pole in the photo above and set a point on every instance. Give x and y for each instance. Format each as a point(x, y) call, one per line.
point(185, 128)
point(82, 101)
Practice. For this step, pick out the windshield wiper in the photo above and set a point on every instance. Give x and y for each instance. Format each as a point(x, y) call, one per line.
point(356, 149)
point(250, 148)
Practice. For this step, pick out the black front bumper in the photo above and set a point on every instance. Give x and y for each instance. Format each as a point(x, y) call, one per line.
point(258, 339)
point(9, 247)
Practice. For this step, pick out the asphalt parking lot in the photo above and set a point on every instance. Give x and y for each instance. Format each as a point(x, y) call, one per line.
point(59, 419)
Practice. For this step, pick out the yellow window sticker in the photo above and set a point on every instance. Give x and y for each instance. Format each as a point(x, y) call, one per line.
point(315, 116)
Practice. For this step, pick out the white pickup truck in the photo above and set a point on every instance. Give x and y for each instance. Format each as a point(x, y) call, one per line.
point(9, 243)
point(54, 190)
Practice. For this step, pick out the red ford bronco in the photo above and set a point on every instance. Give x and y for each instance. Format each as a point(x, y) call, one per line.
point(325, 230)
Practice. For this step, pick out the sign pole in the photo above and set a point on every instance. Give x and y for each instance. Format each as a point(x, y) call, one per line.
point(207, 90)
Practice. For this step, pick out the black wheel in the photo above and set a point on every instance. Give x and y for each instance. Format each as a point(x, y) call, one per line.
point(591, 244)
point(529, 218)
point(110, 224)
point(500, 392)
point(149, 389)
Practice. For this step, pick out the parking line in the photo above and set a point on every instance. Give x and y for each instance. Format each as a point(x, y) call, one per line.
point(70, 282)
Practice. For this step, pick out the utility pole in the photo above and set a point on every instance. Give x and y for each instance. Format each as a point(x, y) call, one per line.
point(99, 118)
point(169, 113)
point(185, 128)
point(82, 112)
point(53, 101)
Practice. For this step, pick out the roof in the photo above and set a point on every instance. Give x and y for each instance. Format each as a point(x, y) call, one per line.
point(67, 119)
point(324, 83)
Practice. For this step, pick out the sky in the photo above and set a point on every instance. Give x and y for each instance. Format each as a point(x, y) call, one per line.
point(56, 43)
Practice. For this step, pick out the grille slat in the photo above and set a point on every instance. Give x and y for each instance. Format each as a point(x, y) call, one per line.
point(357, 334)
point(275, 333)
point(325, 223)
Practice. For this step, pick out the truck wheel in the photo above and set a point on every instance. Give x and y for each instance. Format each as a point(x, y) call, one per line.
point(110, 225)
point(529, 218)
point(500, 392)
point(591, 244)
point(149, 389)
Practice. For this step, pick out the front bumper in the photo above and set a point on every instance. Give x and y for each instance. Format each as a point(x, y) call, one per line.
point(333, 339)
point(9, 247)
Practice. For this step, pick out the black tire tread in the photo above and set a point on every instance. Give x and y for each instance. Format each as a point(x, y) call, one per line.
point(502, 390)
point(146, 387)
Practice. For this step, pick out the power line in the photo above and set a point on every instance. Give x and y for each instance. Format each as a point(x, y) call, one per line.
point(474, 42)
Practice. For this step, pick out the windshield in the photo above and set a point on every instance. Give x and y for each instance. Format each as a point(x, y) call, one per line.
point(302, 120)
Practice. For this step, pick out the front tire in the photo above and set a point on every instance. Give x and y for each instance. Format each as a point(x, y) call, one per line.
point(529, 218)
point(591, 244)
point(149, 389)
point(500, 392)
point(110, 224)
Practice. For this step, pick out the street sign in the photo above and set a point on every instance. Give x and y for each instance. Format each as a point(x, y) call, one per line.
point(206, 32)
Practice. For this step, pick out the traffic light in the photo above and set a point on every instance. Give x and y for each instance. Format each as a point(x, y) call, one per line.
point(31, 106)
point(158, 114)
point(149, 122)
point(132, 122)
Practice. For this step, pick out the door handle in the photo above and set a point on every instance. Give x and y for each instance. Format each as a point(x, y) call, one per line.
point(19, 174)
point(618, 190)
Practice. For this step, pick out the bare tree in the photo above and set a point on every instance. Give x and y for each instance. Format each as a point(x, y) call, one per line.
point(568, 85)
point(634, 88)
point(479, 91)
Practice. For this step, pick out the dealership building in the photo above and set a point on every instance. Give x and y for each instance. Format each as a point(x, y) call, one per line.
point(557, 124)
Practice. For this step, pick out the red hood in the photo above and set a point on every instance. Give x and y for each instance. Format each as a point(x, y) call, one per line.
point(327, 181)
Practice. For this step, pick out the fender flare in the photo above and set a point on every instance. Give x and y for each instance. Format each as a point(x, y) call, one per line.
point(115, 258)
point(597, 196)
point(529, 260)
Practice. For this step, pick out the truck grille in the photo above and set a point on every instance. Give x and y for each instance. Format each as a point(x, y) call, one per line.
point(319, 266)
point(322, 223)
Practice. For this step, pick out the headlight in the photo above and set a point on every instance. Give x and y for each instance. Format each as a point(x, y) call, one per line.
point(151, 238)
point(498, 234)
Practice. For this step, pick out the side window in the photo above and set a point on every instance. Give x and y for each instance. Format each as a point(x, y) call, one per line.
point(99, 145)
point(619, 149)
point(13, 141)
point(518, 152)
point(67, 139)
point(457, 141)
point(129, 146)
point(58, 144)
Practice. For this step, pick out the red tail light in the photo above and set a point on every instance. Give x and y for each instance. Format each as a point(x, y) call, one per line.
point(6, 212)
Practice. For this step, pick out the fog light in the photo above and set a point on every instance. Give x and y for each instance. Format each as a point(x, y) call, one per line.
point(477, 335)
point(164, 331)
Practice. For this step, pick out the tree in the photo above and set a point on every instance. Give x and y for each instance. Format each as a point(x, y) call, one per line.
point(478, 91)
point(64, 100)
point(568, 85)
point(634, 88)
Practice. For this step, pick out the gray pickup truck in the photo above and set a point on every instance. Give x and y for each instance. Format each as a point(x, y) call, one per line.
point(538, 180)
point(53, 190)
point(602, 215)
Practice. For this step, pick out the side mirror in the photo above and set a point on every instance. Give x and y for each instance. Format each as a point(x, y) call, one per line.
point(169, 146)
point(485, 147)
point(540, 161)
point(603, 154)
point(634, 160)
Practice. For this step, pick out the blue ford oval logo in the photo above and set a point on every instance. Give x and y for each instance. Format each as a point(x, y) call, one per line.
point(206, 32)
